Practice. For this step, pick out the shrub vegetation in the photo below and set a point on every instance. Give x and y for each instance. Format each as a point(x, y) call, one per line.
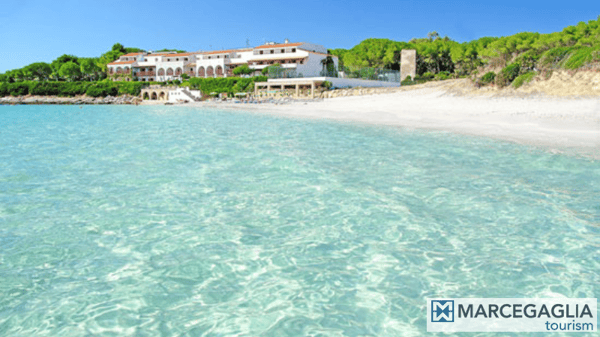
point(488, 78)
point(523, 78)
point(70, 89)
point(229, 85)
point(508, 74)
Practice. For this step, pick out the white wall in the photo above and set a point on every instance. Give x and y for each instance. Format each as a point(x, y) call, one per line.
point(213, 62)
point(339, 82)
point(166, 65)
point(178, 95)
point(312, 66)
point(355, 82)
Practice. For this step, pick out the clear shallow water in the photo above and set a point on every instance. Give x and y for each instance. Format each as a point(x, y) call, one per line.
point(174, 221)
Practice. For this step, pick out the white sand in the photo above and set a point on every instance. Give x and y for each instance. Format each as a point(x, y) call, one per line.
point(564, 125)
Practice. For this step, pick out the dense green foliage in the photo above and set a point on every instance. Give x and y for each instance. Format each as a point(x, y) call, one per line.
point(229, 85)
point(70, 89)
point(573, 48)
point(508, 74)
point(70, 71)
point(102, 90)
point(243, 70)
point(488, 78)
point(523, 78)
point(170, 50)
point(68, 67)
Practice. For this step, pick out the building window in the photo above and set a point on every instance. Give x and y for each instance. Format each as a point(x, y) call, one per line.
point(168, 60)
point(293, 50)
point(177, 59)
point(272, 51)
point(217, 56)
point(209, 57)
point(261, 52)
point(156, 59)
point(185, 59)
point(283, 51)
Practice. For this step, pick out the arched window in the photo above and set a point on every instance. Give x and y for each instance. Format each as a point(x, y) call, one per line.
point(178, 72)
point(210, 71)
point(169, 72)
point(201, 72)
point(161, 72)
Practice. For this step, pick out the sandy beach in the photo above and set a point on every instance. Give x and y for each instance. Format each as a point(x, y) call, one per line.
point(559, 124)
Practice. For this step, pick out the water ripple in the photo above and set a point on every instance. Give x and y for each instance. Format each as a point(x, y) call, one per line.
point(175, 221)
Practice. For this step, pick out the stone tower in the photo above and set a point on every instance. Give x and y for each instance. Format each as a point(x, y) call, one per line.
point(408, 64)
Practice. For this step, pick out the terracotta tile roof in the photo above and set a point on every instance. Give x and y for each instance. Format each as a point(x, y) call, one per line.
point(223, 51)
point(132, 54)
point(281, 45)
point(170, 54)
point(218, 52)
point(121, 62)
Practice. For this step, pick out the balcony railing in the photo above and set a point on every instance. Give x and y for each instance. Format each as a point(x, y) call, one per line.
point(119, 72)
point(146, 73)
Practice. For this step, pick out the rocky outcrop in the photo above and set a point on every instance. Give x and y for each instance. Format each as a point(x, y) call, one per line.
point(78, 100)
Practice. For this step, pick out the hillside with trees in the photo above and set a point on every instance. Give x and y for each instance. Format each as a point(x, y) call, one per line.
point(68, 67)
point(489, 60)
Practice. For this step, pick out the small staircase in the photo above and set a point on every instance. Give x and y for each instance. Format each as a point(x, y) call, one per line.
point(189, 94)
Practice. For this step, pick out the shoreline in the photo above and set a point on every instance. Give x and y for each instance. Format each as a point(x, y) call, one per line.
point(557, 124)
point(76, 100)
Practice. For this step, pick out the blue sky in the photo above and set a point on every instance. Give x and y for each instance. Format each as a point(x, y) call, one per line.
point(39, 30)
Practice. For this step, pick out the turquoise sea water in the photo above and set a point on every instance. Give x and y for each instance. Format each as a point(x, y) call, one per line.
point(152, 221)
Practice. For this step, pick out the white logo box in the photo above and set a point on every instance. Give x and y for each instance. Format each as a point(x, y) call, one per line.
point(512, 314)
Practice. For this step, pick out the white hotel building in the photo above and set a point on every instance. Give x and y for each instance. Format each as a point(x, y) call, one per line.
point(303, 58)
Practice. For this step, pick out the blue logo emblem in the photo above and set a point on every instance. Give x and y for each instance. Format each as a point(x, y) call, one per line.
point(442, 311)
